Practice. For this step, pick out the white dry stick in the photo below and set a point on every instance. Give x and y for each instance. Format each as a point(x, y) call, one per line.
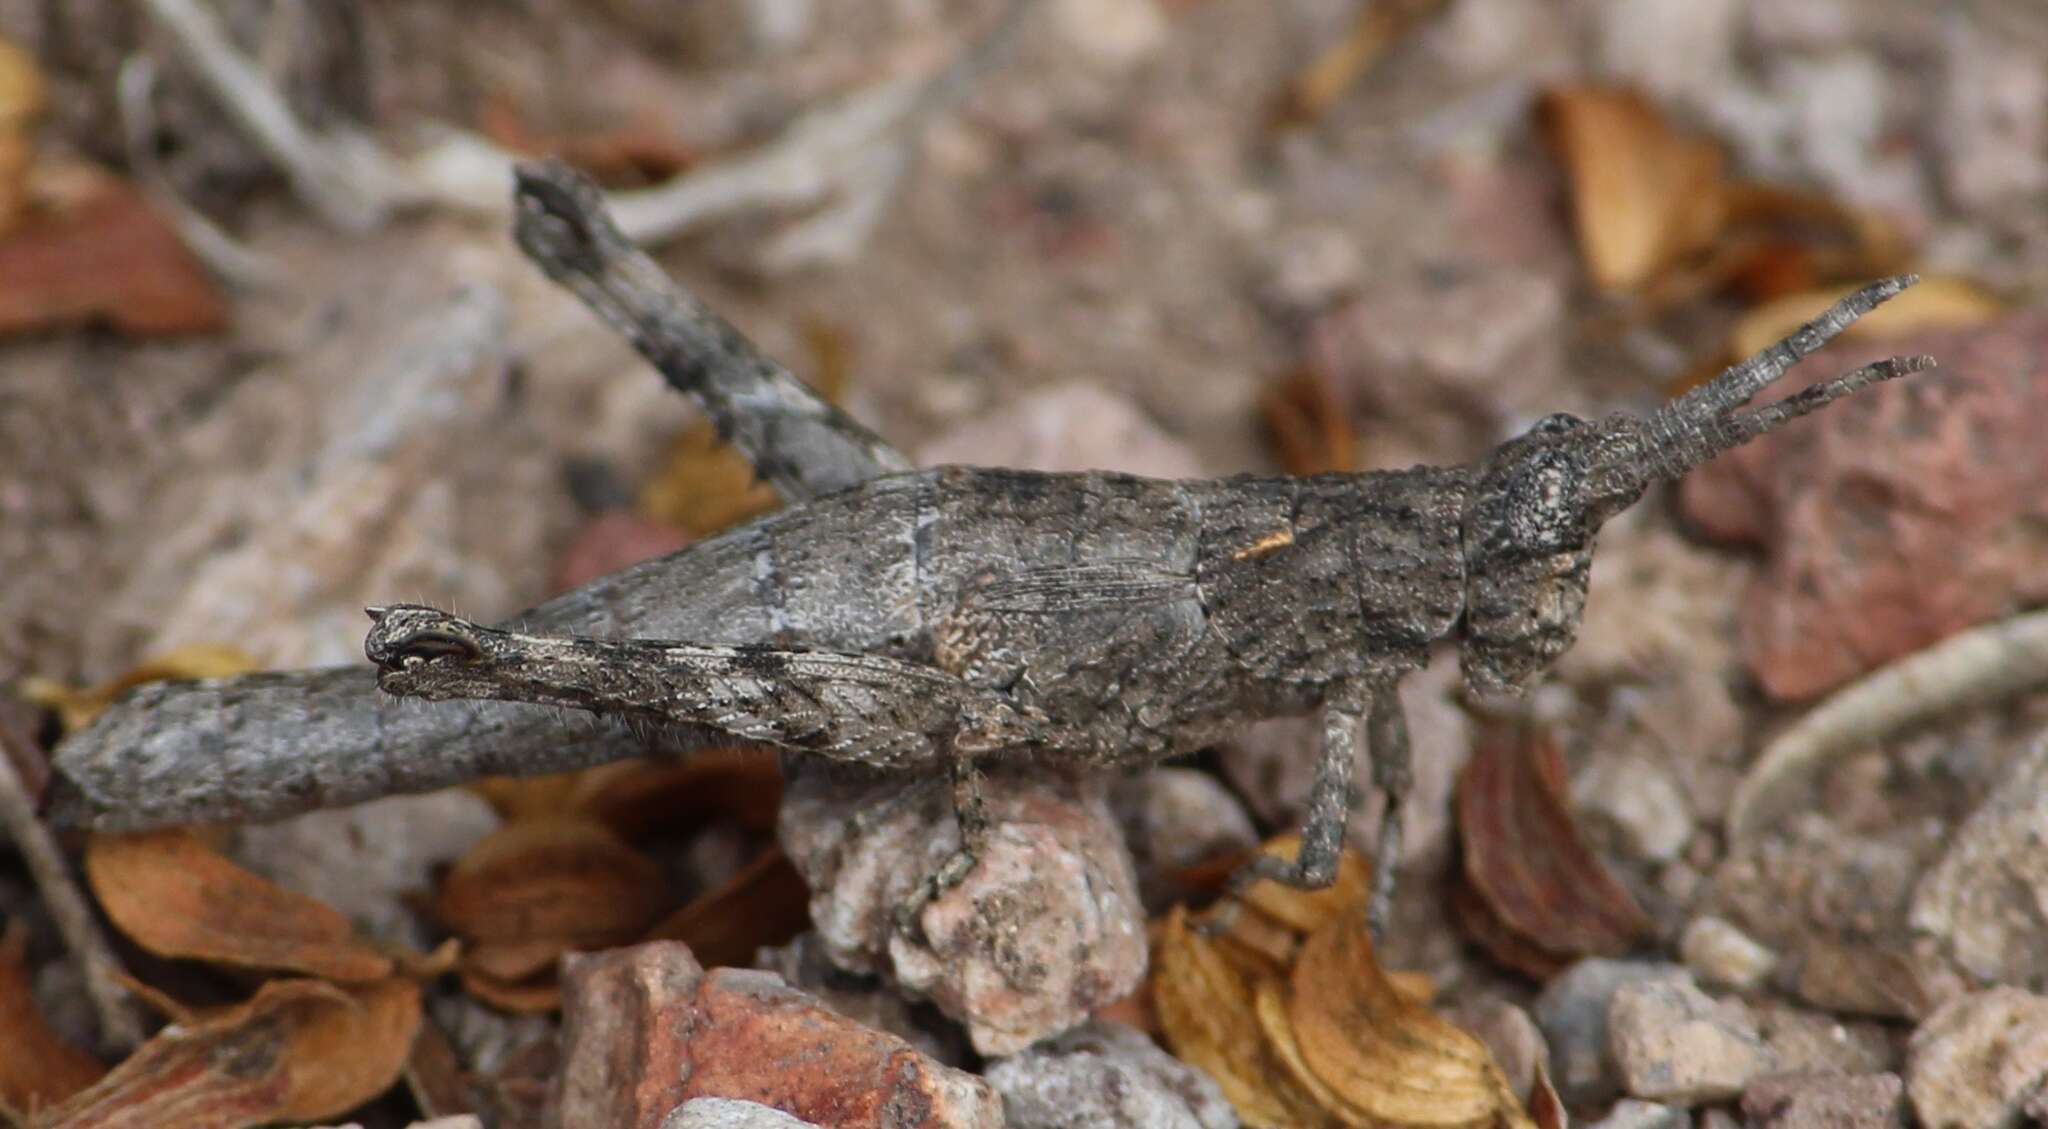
point(342, 174)
point(221, 252)
point(845, 158)
point(120, 1022)
point(1972, 668)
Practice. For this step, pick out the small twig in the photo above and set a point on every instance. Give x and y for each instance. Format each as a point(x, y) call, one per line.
point(1380, 24)
point(848, 156)
point(798, 441)
point(343, 175)
point(855, 149)
point(119, 1021)
point(1972, 668)
point(221, 252)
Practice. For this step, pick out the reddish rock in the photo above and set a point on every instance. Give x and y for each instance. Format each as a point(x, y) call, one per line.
point(1896, 517)
point(646, 1029)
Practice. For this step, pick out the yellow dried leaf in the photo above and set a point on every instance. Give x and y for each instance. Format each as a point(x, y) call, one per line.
point(300, 1050)
point(21, 101)
point(1938, 302)
point(177, 897)
point(1305, 911)
point(1644, 194)
point(705, 485)
point(77, 707)
point(37, 1068)
point(1205, 1010)
point(1389, 1058)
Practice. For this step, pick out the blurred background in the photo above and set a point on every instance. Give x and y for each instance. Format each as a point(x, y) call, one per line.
point(268, 355)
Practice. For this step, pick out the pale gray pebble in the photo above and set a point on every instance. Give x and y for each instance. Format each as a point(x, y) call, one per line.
point(1174, 818)
point(1515, 1040)
point(1641, 799)
point(1106, 1076)
point(731, 1113)
point(1983, 900)
point(1572, 1011)
point(1628, 1113)
point(1826, 1101)
point(1722, 955)
point(1977, 1060)
point(1671, 1042)
point(1815, 1042)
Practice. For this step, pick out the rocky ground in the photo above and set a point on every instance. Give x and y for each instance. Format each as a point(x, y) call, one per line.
point(1795, 769)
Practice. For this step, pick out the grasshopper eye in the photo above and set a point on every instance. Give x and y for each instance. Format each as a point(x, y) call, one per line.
point(427, 645)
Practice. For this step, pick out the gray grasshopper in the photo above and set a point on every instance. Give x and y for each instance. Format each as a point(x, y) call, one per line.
point(932, 620)
point(927, 622)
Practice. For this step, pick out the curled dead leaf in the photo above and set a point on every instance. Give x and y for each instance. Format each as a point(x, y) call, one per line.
point(37, 1068)
point(766, 903)
point(535, 996)
point(540, 887)
point(76, 707)
point(1644, 193)
point(639, 799)
point(1529, 868)
point(177, 897)
point(300, 1050)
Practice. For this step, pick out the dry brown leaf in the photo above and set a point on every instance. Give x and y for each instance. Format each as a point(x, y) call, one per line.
point(1309, 429)
point(177, 897)
point(1388, 1058)
point(537, 888)
point(1379, 26)
point(300, 1050)
point(1528, 863)
point(766, 903)
point(22, 97)
point(37, 1067)
point(541, 994)
point(76, 707)
point(1937, 302)
point(108, 259)
point(639, 799)
point(1205, 1009)
point(1644, 194)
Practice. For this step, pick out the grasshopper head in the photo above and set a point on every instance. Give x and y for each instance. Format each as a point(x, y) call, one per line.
point(1539, 499)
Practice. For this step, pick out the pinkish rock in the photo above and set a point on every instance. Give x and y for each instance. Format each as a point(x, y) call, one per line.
point(1826, 1101)
point(1043, 930)
point(611, 541)
point(1073, 426)
point(1977, 1061)
point(1895, 518)
point(646, 1029)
